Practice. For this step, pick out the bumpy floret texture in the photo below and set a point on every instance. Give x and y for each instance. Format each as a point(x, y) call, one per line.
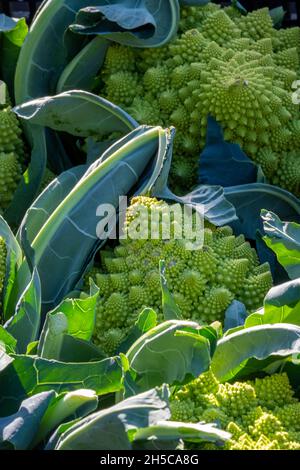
point(204, 279)
point(10, 174)
point(238, 69)
point(12, 155)
point(253, 412)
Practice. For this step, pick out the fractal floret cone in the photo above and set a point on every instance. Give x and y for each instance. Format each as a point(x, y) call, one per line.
point(203, 281)
point(255, 416)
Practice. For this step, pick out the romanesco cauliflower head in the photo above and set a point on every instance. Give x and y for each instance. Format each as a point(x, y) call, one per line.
point(244, 410)
point(274, 391)
point(203, 281)
point(12, 155)
point(237, 68)
point(10, 175)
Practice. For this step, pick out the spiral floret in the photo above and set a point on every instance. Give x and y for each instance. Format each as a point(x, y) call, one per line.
point(10, 175)
point(204, 281)
point(274, 391)
point(257, 24)
point(255, 423)
point(237, 68)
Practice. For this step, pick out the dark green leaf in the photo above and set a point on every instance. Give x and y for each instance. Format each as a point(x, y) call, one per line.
point(80, 73)
point(13, 261)
point(223, 163)
point(18, 431)
point(235, 315)
point(80, 314)
point(109, 429)
point(147, 320)
point(64, 408)
point(25, 324)
point(277, 15)
point(77, 350)
point(170, 431)
point(145, 23)
point(7, 340)
point(259, 342)
point(281, 305)
point(77, 112)
point(52, 336)
point(37, 73)
point(170, 309)
point(162, 356)
point(284, 239)
point(13, 35)
point(249, 199)
point(26, 376)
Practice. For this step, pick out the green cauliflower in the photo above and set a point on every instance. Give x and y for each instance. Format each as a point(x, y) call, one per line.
point(253, 412)
point(203, 282)
point(238, 69)
point(12, 156)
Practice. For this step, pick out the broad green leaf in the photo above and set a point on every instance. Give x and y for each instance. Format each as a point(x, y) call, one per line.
point(18, 430)
point(110, 429)
point(54, 438)
point(77, 112)
point(284, 239)
point(147, 320)
point(80, 72)
point(266, 255)
point(80, 314)
point(249, 199)
point(54, 329)
point(161, 356)
point(172, 430)
point(37, 73)
point(32, 348)
point(68, 329)
point(170, 309)
point(236, 4)
point(13, 33)
point(24, 376)
point(25, 323)
point(281, 305)
point(258, 342)
point(224, 163)
point(49, 200)
point(62, 408)
point(78, 350)
point(7, 340)
point(277, 15)
point(13, 261)
point(235, 315)
point(72, 232)
point(145, 23)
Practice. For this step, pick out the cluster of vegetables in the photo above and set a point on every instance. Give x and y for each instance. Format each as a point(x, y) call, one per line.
point(170, 336)
point(238, 69)
point(260, 415)
point(12, 155)
point(203, 281)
